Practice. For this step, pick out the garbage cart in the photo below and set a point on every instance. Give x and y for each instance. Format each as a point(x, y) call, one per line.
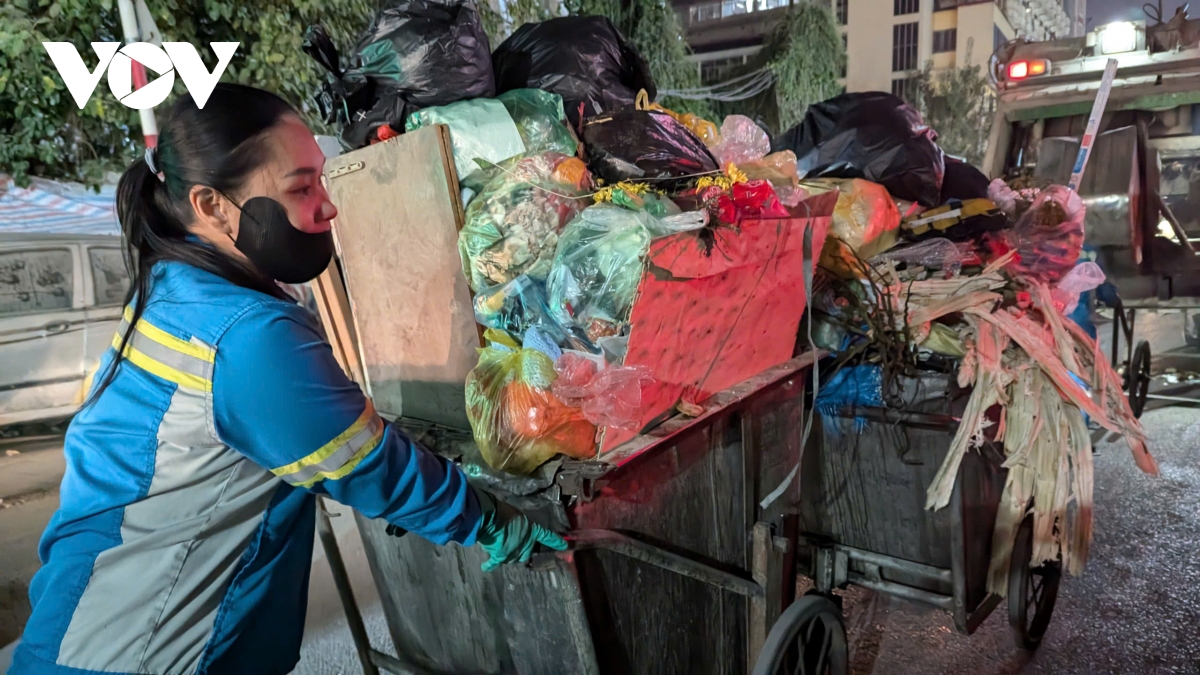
point(861, 520)
point(677, 565)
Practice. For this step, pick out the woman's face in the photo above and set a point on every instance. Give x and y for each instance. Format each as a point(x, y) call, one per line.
point(290, 174)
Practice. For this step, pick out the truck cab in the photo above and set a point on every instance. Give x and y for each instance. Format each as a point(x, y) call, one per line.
point(1140, 185)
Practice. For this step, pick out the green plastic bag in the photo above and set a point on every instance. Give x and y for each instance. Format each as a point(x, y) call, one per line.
point(480, 129)
point(512, 225)
point(540, 119)
point(598, 265)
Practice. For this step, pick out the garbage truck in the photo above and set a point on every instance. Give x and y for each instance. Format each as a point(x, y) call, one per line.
point(1141, 183)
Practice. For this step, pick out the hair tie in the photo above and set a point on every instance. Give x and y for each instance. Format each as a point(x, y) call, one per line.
point(150, 157)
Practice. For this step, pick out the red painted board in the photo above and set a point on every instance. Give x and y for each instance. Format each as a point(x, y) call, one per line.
point(709, 316)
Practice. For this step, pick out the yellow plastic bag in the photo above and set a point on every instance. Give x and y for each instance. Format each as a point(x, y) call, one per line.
point(517, 421)
point(865, 222)
point(704, 130)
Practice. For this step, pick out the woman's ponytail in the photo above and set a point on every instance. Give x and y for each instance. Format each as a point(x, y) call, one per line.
point(216, 147)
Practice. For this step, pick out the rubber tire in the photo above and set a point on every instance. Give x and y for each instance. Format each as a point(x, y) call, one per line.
point(1139, 378)
point(1029, 631)
point(786, 631)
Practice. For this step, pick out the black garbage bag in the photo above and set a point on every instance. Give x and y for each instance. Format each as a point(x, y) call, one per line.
point(644, 144)
point(963, 181)
point(414, 54)
point(869, 135)
point(583, 59)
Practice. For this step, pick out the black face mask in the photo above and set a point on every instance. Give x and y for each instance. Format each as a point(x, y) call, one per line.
point(269, 240)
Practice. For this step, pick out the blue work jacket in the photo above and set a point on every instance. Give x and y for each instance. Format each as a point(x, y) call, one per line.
point(184, 536)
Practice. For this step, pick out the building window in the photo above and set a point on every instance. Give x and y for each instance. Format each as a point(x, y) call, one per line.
point(902, 7)
point(843, 12)
point(707, 12)
point(945, 40)
point(997, 38)
point(733, 7)
point(773, 4)
point(905, 88)
point(904, 46)
point(845, 53)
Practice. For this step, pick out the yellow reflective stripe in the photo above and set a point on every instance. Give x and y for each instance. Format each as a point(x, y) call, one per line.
point(348, 466)
point(325, 451)
point(170, 341)
point(162, 370)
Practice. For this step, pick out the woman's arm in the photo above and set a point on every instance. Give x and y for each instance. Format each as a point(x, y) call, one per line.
point(281, 399)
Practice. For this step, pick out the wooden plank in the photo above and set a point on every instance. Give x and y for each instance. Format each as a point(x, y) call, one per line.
point(334, 306)
point(396, 231)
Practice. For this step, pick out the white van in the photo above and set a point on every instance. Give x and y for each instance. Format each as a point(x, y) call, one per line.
point(61, 298)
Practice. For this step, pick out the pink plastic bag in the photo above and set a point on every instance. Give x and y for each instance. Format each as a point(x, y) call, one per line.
point(742, 141)
point(611, 397)
point(1049, 236)
point(574, 374)
point(1085, 277)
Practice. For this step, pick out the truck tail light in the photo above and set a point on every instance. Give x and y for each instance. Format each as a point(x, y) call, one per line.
point(1019, 70)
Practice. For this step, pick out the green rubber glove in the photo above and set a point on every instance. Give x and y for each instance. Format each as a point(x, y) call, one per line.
point(507, 536)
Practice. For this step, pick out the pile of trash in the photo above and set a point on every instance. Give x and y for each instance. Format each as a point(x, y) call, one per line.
point(930, 268)
point(569, 171)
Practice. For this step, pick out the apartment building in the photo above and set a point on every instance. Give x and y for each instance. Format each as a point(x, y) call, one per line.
point(887, 41)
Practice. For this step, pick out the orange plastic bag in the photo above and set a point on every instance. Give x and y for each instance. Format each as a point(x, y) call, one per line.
point(704, 130)
point(517, 421)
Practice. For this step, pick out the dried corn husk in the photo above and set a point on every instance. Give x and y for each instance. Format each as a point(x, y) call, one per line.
point(1025, 362)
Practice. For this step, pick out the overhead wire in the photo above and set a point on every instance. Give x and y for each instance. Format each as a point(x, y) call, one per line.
point(739, 88)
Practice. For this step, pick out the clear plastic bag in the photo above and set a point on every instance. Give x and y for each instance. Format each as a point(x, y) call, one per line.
point(1049, 236)
point(608, 397)
point(516, 307)
point(540, 120)
point(742, 141)
point(938, 252)
point(597, 268)
point(1086, 276)
point(512, 225)
point(517, 421)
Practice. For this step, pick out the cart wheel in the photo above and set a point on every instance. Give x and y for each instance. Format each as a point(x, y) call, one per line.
point(809, 638)
point(1137, 378)
point(1032, 591)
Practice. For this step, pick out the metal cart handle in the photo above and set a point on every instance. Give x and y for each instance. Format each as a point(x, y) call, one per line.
point(608, 540)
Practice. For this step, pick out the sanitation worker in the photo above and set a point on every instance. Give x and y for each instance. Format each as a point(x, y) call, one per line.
point(184, 536)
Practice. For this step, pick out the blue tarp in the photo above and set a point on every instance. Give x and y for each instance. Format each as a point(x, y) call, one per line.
point(47, 206)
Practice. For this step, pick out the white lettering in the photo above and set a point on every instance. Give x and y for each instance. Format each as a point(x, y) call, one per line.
point(178, 57)
point(80, 82)
point(120, 75)
point(195, 76)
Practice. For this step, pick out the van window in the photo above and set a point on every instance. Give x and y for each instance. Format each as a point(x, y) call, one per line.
point(35, 281)
point(109, 276)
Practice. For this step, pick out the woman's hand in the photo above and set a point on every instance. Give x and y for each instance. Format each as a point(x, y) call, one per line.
point(508, 536)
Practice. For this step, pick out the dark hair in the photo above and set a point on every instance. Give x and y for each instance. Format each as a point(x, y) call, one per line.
point(216, 147)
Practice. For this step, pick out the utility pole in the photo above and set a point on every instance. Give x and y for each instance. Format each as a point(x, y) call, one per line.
point(129, 26)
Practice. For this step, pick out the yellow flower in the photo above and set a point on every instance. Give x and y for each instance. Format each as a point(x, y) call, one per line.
point(731, 177)
point(630, 188)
